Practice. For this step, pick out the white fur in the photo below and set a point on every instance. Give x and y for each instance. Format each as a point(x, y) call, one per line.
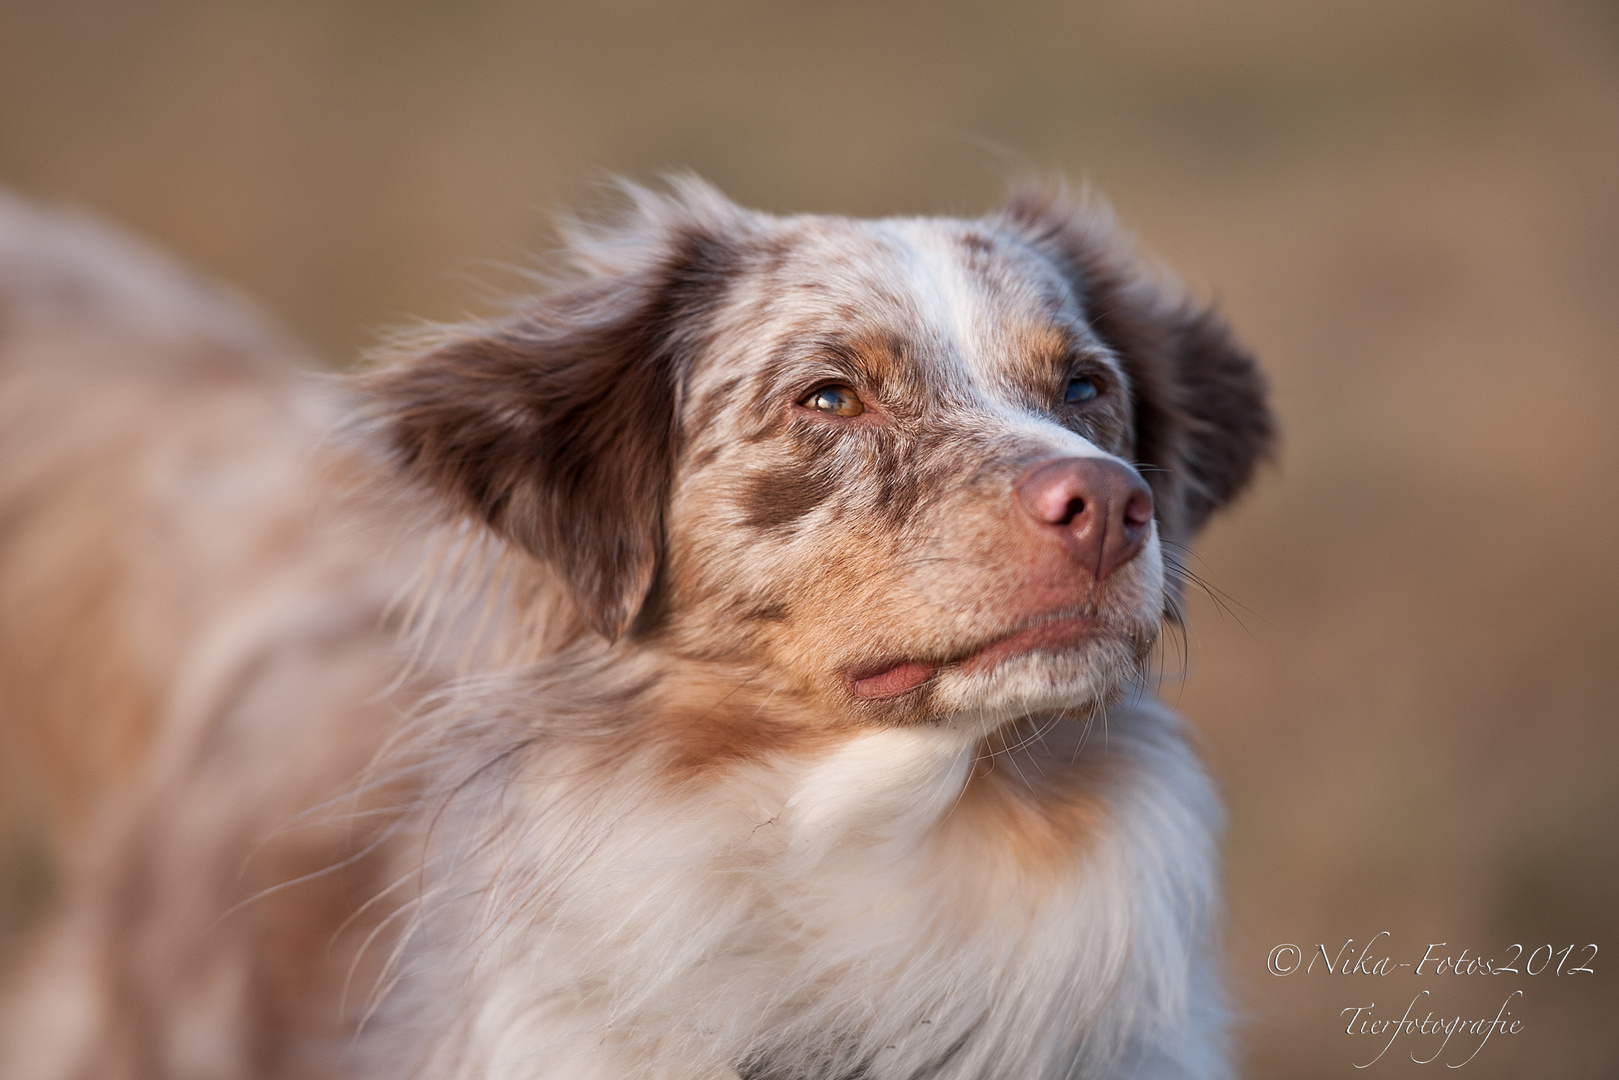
point(837, 907)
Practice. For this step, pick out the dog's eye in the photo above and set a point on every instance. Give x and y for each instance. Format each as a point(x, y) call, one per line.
point(1081, 390)
point(837, 400)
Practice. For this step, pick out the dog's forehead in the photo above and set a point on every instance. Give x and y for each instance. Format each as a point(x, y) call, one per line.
point(965, 294)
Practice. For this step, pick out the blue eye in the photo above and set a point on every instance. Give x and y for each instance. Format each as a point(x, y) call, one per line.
point(1080, 391)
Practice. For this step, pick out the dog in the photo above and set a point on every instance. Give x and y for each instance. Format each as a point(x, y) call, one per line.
point(731, 662)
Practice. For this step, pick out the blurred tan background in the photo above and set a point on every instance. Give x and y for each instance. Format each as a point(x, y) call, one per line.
point(1410, 208)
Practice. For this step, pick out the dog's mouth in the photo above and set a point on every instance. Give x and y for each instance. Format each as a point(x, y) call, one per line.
point(1061, 632)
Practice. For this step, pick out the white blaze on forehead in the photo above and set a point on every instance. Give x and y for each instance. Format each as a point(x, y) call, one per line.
point(953, 303)
point(947, 298)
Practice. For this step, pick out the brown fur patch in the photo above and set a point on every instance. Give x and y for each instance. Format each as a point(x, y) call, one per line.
point(557, 426)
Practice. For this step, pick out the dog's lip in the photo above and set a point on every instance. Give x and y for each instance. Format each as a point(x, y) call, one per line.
point(891, 680)
point(1053, 632)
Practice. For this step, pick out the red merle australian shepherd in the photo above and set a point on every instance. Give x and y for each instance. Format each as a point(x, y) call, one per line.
point(727, 664)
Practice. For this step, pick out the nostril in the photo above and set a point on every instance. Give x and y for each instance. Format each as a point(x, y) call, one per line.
point(1074, 509)
point(1138, 510)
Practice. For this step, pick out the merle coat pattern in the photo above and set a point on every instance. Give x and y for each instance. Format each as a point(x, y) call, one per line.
point(729, 663)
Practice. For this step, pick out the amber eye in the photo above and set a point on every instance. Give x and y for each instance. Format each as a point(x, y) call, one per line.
point(837, 400)
point(1081, 390)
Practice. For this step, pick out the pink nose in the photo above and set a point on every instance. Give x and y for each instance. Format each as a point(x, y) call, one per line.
point(1100, 510)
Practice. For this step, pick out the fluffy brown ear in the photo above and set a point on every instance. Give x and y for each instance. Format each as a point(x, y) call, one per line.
point(1202, 422)
point(557, 425)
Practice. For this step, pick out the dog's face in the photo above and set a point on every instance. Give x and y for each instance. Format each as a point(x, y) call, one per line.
point(899, 471)
point(904, 489)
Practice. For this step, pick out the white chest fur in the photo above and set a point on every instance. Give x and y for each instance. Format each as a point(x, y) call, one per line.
point(852, 915)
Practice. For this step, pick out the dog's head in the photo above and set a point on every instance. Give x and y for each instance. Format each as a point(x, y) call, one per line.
point(903, 470)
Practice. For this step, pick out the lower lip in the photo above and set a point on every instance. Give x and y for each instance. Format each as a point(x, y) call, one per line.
point(1053, 635)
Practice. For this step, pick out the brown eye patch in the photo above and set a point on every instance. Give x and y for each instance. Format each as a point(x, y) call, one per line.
point(837, 400)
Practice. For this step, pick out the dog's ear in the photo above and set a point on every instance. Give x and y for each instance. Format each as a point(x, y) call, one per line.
point(557, 425)
point(1202, 422)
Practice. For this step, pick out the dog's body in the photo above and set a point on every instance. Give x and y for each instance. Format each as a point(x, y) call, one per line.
point(774, 697)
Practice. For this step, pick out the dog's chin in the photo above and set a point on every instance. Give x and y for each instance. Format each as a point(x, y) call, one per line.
point(1066, 662)
point(1021, 674)
point(1074, 681)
